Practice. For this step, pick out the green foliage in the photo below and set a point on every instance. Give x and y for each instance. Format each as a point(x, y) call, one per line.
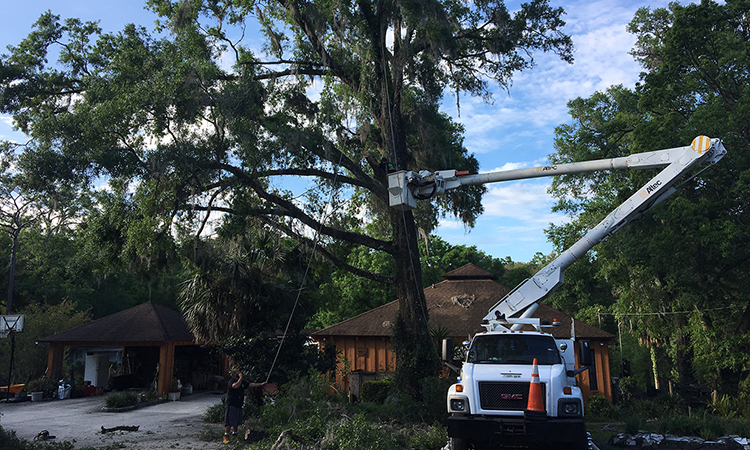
point(377, 390)
point(41, 320)
point(675, 278)
point(9, 441)
point(725, 406)
point(669, 415)
point(599, 409)
point(358, 433)
point(433, 438)
point(121, 399)
point(327, 420)
point(215, 412)
point(42, 384)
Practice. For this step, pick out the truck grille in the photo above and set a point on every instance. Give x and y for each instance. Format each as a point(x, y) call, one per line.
point(494, 395)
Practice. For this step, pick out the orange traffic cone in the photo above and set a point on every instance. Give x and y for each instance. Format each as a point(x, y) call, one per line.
point(536, 402)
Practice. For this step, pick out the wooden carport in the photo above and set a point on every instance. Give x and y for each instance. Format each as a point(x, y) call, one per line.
point(145, 325)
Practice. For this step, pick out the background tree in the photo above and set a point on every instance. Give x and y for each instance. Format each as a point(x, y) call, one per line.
point(199, 138)
point(678, 274)
point(16, 214)
point(41, 320)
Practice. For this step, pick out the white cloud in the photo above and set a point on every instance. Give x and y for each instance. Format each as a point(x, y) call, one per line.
point(526, 201)
point(516, 214)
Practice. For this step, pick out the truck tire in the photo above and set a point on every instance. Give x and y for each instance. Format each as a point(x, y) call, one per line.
point(459, 444)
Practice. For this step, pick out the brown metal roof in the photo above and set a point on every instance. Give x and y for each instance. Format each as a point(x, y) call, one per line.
point(458, 306)
point(147, 322)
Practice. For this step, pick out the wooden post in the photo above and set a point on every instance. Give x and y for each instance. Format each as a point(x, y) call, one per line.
point(166, 368)
point(55, 360)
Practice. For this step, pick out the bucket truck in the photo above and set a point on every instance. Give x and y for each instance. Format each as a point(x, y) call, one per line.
point(489, 404)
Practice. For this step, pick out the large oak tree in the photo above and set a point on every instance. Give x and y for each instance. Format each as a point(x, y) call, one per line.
point(203, 122)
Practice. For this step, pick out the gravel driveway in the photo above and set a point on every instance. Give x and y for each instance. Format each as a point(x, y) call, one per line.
point(164, 426)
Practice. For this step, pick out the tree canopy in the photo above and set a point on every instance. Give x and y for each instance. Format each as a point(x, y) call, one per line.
point(200, 123)
point(679, 275)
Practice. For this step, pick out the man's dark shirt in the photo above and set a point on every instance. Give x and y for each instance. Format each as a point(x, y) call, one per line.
point(236, 396)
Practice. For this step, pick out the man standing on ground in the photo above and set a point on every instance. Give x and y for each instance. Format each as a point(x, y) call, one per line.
point(235, 399)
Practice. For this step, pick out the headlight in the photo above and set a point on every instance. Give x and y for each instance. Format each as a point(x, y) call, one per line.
point(458, 405)
point(569, 407)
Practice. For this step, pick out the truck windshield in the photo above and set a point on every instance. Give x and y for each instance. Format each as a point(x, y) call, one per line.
point(513, 349)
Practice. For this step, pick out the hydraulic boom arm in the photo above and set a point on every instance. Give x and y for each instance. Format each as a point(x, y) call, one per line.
point(407, 187)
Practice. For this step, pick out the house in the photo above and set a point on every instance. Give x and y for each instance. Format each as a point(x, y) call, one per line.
point(456, 308)
point(146, 342)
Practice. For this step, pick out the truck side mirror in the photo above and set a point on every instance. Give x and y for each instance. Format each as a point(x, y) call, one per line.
point(584, 353)
point(447, 354)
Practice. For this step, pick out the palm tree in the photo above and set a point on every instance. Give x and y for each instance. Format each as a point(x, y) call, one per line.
point(233, 284)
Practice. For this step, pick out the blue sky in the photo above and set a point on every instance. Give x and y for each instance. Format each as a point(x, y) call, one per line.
point(516, 130)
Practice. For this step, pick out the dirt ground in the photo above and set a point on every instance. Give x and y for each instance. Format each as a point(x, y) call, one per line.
point(170, 425)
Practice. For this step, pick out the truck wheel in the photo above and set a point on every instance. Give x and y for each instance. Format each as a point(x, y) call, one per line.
point(459, 444)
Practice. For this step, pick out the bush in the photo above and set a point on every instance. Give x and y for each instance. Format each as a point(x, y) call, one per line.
point(215, 412)
point(9, 441)
point(121, 399)
point(432, 438)
point(377, 390)
point(599, 409)
point(358, 434)
point(43, 384)
point(328, 421)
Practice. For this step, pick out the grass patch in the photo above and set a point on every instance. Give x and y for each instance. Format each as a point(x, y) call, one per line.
point(121, 399)
point(9, 441)
point(326, 420)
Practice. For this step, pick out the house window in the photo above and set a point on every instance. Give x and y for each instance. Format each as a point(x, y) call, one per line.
point(593, 379)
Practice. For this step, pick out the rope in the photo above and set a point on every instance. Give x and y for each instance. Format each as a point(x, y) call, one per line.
point(307, 270)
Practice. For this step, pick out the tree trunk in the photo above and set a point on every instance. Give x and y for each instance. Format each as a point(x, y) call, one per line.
point(682, 358)
point(12, 277)
point(416, 356)
point(655, 367)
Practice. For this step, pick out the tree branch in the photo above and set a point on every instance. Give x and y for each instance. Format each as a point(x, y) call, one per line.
point(289, 209)
point(314, 245)
point(313, 36)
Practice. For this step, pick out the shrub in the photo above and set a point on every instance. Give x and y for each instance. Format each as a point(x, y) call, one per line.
point(43, 384)
point(434, 437)
point(215, 412)
point(9, 441)
point(725, 406)
point(121, 399)
point(359, 434)
point(633, 424)
point(600, 409)
point(377, 390)
point(679, 425)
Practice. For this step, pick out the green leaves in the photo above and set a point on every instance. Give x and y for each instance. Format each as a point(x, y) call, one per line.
point(689, 254)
